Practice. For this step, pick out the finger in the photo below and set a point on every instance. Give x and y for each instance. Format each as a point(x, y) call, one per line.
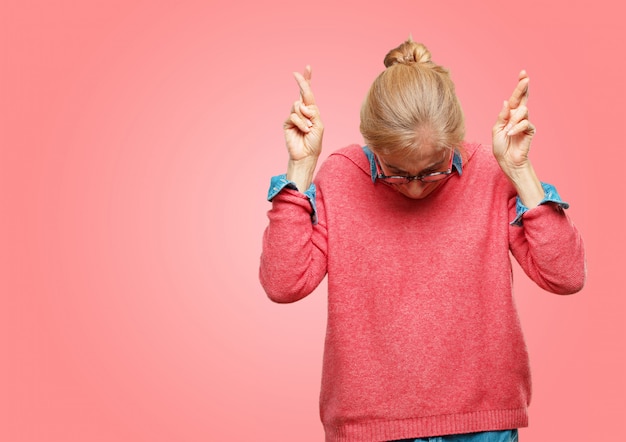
point(518, 115)
point(523, 126)
point(504, 115)
point(305, 87)
point(311, 112)
point(297, 107)
point(307, 73)
point(294, 120)
point(520, 94)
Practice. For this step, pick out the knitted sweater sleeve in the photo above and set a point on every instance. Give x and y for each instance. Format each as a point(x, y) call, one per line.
point(293, 260)
point(549, 248)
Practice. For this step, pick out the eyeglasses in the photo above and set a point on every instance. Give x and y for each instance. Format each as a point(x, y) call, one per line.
point(426, 178)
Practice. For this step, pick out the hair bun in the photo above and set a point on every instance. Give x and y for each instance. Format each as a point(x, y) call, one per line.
point(408, 53)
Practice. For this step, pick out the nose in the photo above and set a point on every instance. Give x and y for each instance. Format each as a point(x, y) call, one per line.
point(414, 189)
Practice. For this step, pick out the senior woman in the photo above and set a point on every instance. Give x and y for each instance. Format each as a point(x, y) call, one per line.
point(414, 230)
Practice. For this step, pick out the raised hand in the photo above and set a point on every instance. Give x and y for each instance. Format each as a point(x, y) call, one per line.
point(303, 128)
point(303, 134)
point(513, 131)
point(511, 136)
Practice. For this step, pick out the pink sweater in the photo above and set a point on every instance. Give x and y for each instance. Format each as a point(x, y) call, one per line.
point(423, 337)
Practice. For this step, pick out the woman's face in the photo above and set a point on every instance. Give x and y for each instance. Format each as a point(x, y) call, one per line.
point(423, 161)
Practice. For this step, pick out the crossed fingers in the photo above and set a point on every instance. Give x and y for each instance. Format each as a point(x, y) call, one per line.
point(304, 110)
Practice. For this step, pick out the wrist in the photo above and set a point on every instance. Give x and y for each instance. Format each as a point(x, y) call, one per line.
point(301, 172)
point(526, 183)
point(517, 172)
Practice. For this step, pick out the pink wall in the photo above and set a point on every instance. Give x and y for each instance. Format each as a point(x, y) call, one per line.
point(136, 144)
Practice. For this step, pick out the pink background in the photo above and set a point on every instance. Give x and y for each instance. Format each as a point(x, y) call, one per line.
point(137, 139)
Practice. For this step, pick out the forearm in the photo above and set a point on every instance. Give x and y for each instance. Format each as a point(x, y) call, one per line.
point(293, 261)
point(550, 249)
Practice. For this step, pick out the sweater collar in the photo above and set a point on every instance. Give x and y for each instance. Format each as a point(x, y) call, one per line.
point(457, 162)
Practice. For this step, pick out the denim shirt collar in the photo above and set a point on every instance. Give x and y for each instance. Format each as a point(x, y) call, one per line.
point(457, 162)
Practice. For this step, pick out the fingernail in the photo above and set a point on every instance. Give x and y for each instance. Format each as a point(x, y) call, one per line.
point(309, 123)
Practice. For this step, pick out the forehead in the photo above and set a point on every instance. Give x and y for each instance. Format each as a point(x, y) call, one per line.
point(415, 160)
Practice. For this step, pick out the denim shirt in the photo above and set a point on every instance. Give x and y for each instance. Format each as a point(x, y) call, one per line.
point(280, 182)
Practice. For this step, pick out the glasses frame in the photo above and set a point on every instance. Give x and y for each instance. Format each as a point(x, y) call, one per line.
point(406, 179)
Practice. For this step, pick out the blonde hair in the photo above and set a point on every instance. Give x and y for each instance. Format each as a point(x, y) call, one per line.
point(410, 103)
